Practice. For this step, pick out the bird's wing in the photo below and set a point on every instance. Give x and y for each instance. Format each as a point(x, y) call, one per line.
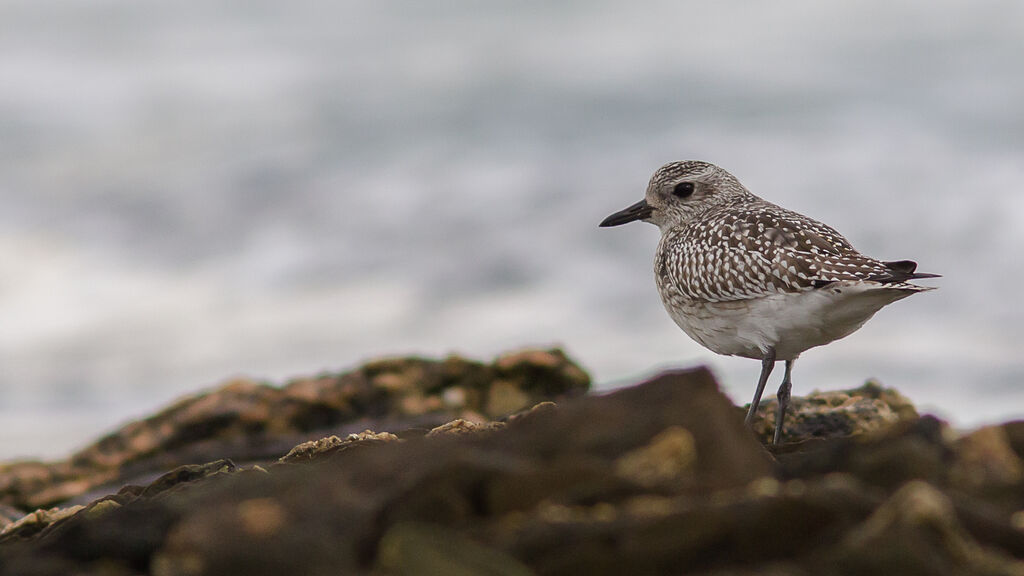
point(763, 250)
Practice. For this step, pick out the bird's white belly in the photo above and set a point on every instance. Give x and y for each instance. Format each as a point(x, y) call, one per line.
point(789, 322)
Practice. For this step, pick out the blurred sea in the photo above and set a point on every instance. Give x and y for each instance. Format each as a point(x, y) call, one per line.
point(198, 189)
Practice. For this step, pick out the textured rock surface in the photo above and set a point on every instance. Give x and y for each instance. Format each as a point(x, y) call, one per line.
point(660, 478)
point(337, 508)
point(833, 413)
point(251, 421)
point(315, 449)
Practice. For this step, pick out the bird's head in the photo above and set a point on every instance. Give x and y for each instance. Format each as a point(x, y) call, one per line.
point(679, 192)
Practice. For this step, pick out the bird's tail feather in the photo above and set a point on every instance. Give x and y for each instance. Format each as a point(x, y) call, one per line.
point(903, 270)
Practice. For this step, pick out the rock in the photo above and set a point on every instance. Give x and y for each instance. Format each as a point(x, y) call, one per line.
point(1015, 436)
point(315, 449)
point(917, 532)
point(101, 507)
point(42, 520)
point(252, 421)
point(537, 409)
point(911, 450)
point(34, 523)
point(336, 509)
point(460, 426)
point(186, 475)
point(311, 450)
point(660, 478)
point(985, 457)
point(8, 515)
point(835, 413)
point(412, 549)
point(669, 457)
point(542, 373)
point(737, 529)
point(505, 398)
point(262, 517)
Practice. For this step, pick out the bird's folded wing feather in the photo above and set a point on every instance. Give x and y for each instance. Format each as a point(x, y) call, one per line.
point(736, 255)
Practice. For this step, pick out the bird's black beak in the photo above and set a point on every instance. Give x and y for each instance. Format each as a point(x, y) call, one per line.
point(639, 211)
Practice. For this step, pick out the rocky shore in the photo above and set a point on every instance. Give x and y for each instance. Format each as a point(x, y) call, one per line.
point(456, 467)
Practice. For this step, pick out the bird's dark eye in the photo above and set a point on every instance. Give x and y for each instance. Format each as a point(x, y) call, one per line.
point(683, 189)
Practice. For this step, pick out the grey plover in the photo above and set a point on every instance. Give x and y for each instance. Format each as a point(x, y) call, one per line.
point(744, 277)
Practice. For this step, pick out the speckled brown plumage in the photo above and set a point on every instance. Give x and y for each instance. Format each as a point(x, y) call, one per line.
point(754, 248)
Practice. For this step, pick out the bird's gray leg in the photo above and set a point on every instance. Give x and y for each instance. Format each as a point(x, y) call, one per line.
point(783, 396)
point(767, 363)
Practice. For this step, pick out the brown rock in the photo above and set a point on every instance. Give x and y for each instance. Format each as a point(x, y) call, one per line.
point(544, 374)
point(413, 549)
point(262, 517)
point(186, 475)
point(31, 524)
point(917, 532)
point(661, 478)
point(736, 529)
point(667, 459)
point(252, 421)
point(8, 515)
point(337, 510)
point(314, 449)
point(985, 457)
point(505, 398)
point(911, 450)
point(537, 409)
point(460, 426)
point(835, 413)
point(1015, 436)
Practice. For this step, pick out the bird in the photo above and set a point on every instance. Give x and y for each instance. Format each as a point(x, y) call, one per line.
point(745, 277)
